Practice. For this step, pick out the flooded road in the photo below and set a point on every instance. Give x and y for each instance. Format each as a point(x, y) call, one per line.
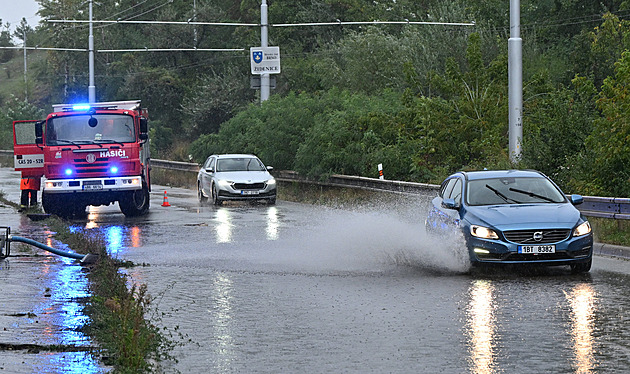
point(301, 288)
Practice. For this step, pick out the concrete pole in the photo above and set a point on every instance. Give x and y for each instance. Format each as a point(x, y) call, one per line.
point(195, 19)
point(25, 67)
point(91, 87)
point(515, 79)
point(264, 42)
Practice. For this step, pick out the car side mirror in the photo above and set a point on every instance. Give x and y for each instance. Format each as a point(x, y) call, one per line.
point(269, 168)
point(576, 199)
point(209, 170)
point(450, 204)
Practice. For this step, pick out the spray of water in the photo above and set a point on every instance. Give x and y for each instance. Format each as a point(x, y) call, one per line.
point(372, 239)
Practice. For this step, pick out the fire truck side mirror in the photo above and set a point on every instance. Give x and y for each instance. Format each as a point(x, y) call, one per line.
point(144, 129)
point(144, 125)
point(39, 132)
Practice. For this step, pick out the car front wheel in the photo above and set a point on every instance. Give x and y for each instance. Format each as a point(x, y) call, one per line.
point(215, 196)
point(581, 267)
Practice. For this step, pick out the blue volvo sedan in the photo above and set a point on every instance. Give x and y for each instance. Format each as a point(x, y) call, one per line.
point(513, 217)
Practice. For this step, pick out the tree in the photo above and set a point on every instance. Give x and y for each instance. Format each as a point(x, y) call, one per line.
point(610, 139)
point(5, 41)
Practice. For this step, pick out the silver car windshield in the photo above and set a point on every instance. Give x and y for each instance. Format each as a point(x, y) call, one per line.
point(239, 164)
point(74, 129)
point(510, 190)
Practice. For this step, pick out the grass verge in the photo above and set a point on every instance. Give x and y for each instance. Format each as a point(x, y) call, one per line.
point(611, 231)
point(129, 342)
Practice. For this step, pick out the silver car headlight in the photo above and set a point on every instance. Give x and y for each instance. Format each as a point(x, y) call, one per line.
point(271, 182)
point(583, 229)
point(223, 183)
point(483, 232)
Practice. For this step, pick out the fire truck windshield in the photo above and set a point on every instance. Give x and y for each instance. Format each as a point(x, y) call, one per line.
point(74, 129)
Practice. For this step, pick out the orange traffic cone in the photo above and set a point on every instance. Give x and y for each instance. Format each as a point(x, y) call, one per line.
point(165, 203)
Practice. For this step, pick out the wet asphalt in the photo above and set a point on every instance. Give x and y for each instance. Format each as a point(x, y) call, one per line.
point(296, 288)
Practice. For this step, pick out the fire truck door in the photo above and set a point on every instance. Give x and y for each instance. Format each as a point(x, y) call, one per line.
point(28, 156)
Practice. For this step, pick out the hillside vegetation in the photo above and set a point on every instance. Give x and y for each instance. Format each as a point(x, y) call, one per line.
point(423, 100)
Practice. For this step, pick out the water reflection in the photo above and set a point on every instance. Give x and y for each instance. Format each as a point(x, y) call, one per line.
point(224, 227)
point(222, 316)
point(92, 218)
point(272, 223)
point(114, 237)
point(582, 300)
point(63, 315)
point(481, 327)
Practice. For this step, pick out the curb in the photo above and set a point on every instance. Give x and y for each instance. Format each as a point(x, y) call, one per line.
point(603, 249)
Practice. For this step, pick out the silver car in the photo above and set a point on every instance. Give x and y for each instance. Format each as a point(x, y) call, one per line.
point(235, 177)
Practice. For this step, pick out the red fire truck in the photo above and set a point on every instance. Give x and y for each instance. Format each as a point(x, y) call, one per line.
point(94, 154)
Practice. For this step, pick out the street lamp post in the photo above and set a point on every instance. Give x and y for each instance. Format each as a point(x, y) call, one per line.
point(515, 82)
point(91, 87)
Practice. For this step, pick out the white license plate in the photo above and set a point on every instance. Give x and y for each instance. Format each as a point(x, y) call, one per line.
point(249, 192)
point(536, 249)
point(93, 187)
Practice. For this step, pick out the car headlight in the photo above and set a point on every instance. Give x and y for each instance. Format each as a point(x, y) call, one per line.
point(223, 183)
point(583, 229)
point(483, 232)
point(271, 182)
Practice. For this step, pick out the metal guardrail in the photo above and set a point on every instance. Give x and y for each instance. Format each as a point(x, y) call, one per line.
point(175, 165)
point(593, 206)
point(372, 184)
point(605, 207)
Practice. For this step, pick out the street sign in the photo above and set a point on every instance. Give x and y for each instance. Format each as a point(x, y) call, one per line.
point(265, 60)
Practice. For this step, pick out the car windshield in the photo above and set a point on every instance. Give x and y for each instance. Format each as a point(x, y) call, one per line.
point(511, 190)
point(74, 129)
point(239, 164)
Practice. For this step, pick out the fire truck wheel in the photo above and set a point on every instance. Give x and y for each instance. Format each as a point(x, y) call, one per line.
point(202, 199)
point(135, 203)
point(50, 204)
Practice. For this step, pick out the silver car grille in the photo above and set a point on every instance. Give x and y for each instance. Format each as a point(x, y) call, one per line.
point(249, 186)
point(544, 236)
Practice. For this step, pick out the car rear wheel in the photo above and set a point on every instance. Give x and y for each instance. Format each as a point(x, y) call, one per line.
point(581, 267)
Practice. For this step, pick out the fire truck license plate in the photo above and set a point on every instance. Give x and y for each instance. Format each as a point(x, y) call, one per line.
point(92, 187)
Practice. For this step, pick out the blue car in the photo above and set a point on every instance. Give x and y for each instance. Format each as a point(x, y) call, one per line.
point(513, 217)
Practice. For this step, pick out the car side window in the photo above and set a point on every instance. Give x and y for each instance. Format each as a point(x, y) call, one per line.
point(212, 162)
point(207, 163)
point(456, 192)
point(446, 191)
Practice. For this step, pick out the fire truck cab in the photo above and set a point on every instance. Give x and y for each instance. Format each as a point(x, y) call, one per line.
point(94, 154)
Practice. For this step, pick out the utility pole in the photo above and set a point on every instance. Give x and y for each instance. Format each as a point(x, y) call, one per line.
point(195, 19)
point(91, 87)
point(264, 42)
point(25, 75)
point(515, 79)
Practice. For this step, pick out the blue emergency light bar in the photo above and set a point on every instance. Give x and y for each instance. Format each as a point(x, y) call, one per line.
point(81, 107)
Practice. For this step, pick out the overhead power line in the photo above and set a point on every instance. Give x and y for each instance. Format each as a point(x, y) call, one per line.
point(132, 50)
point(337, 23)
point(155, 22)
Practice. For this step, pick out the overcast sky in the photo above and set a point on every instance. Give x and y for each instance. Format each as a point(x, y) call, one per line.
point(12, 11)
